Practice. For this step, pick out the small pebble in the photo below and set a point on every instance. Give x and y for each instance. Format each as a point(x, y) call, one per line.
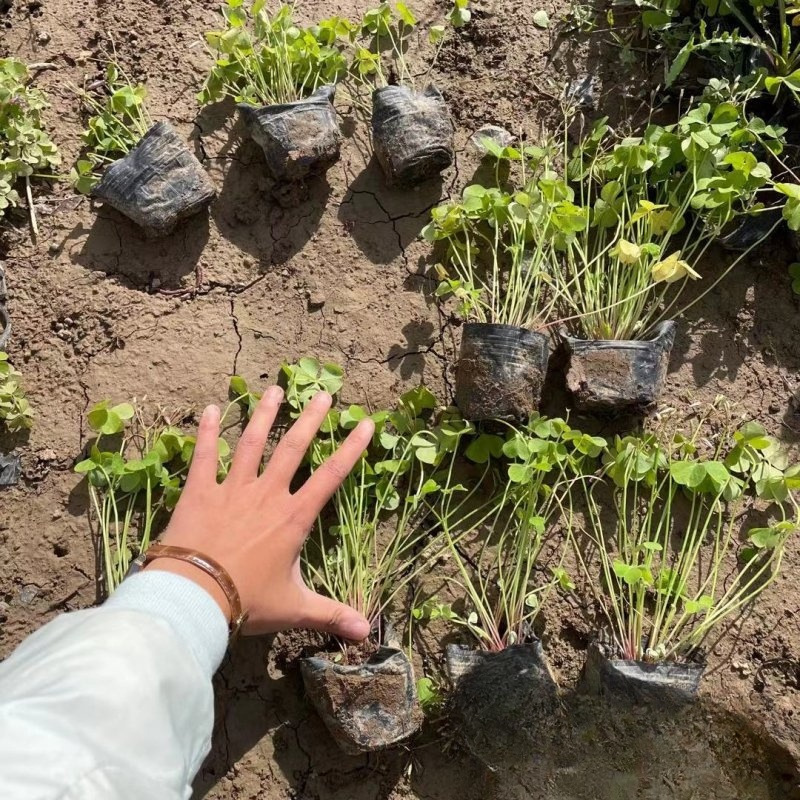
point(43, 37)
point(316, 298)
point(28, 594)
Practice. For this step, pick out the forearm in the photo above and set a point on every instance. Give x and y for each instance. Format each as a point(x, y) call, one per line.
point(114, 702)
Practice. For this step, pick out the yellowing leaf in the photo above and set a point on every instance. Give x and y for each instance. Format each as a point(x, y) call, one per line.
point(672, 269)
point(627, 252)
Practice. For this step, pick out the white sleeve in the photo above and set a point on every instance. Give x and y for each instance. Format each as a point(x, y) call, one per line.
point(114, 703)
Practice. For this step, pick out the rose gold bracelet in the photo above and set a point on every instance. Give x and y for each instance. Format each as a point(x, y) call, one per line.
point(208, 565)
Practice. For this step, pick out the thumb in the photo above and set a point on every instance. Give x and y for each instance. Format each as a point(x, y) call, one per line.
point(330, 616)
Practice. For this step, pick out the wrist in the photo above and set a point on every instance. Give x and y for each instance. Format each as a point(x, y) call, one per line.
point(187, 570)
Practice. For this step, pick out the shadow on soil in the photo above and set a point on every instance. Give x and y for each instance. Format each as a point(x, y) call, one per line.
point(117, 247)
point(383, 221)
point(750, 322)
point(594, 748)
point(269, 221)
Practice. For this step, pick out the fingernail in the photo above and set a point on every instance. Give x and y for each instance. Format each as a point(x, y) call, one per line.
point(274, 394)
point(364, 424)
point(355, 628)
point(210, 413)
point(322, 398)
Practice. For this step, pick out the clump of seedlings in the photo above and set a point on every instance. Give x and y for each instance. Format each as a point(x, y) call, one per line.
point(135, 471)
point(499, 259)
point(16, 413)
point(677, 562)
point(412, 131)
point(646, 211)
point(381, 534)
point(143, 170)
point(26, 150)
point(283, 78)
point(505, 700)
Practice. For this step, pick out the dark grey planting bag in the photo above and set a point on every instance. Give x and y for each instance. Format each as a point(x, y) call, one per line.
point(412, 134)
point(298, 138)
point(157, 184)
point(505, 705)
point(365, 707)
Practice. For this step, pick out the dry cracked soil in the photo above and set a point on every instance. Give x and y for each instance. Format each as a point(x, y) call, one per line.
point(339, 272)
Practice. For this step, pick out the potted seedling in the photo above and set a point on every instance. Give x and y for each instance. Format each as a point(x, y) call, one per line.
point(505, 702)
point(143, 170)
point(412, 131)
point(498, 264)
point(283, 78)
point(16, 415)
point(378, 543)
point(673, 572)
point(15, 410)
point(650, 206)
point(735, 33)
point(26, 150)
point(135, 471)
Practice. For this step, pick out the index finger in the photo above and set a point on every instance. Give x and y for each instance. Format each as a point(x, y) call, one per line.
point(319, 488)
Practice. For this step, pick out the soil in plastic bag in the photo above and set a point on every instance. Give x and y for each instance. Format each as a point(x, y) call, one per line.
point(10, 469)
point(412, 134)
point(367, 707)
point(618, 375)
point(505, 705)
point(158, 184)
point(298, 139)
point(501, 370)
point(664, 685)
point(5, 326)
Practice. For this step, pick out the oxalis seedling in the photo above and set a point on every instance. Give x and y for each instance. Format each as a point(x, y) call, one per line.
point(135, 471)
point(143, 170)
point(26, 150)
point(266, 59)
point(119, 119)
point(673, 566)
point(381, 41)
point(533, 467)
point(499, 263)
point(383, 518)
point(412, 132)
point(505, 699)
point(16, 413)
point(757, 39)
point(379, 534)
point(646, 209)
point(283, 76)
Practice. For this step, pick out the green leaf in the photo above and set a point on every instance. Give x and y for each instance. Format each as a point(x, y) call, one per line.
point(237, 387)
point(687, 473)
point(563, 579)
point(679, 62)
point(518, 473)
point(124, 411)
point(541, 19)
point(436, 34)
point(87, 465)
point(409, 20)
point(428, 695)
point(484, 447)
point(351, 416)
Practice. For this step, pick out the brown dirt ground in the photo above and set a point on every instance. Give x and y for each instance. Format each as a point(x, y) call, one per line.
point(89, 324)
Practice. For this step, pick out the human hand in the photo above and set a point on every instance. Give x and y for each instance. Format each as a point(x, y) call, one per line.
point(255, 527)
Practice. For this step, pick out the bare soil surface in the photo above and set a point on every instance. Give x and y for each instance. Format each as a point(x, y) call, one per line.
point(338, 272)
